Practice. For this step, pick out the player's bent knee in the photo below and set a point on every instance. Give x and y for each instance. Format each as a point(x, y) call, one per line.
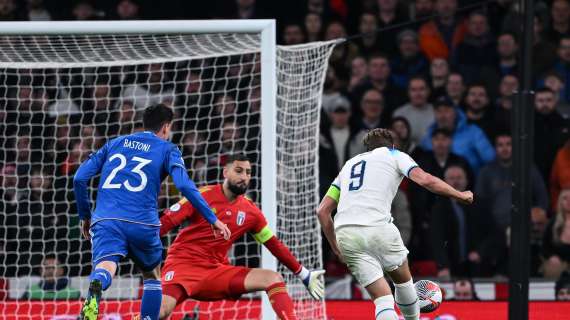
point(274, 278)
point(152, 274)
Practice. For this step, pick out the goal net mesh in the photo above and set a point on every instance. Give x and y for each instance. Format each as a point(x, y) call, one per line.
point(63, 97)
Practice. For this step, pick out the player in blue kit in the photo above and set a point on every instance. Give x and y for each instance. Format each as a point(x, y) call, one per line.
point(125, 220)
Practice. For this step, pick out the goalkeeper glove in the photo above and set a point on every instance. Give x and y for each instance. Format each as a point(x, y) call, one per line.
point(313, 281)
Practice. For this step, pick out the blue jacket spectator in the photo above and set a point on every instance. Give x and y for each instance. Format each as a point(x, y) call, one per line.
point(469, 141)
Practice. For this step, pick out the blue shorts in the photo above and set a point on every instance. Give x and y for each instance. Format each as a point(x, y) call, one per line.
point(113, 239)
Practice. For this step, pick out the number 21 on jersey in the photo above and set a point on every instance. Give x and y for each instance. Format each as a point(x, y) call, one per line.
point(357, 175)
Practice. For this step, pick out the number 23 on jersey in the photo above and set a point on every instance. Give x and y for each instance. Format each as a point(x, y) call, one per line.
point(108, 184)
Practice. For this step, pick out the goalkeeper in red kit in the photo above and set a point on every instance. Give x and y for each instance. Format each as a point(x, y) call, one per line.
point(197, 266)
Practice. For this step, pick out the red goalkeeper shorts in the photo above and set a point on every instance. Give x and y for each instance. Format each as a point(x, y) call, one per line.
point(204, 283)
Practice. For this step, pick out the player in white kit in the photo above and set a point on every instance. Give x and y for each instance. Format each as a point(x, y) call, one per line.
point(363, 235)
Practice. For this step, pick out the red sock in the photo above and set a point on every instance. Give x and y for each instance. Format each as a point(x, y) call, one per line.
point(281, 302)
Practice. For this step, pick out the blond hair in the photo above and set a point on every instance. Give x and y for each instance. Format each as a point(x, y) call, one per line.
point(560, 219)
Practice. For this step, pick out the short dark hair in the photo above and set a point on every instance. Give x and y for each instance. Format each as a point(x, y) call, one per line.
point(237, 157)
point(443, 101)
point(418, 78)
point(502, 133)
point(378, 138)
point(544, 90)
point(156, 116)
point(442, 131)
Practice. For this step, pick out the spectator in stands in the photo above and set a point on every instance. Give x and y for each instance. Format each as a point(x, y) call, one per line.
point(464, 290)
point(476, 50)
point(128, 10)
point(390, 13)
point(553, 81)
point(36, 11)
point(560, 175)
point(314, 27)
point(560, 25)
point(194, 153)
point(504, 103)
point(543, 51)
point(550, 131)
point(410, 61)
point(372, 107)
point(358, 72)
point(342, 55)
point(379, 79)
point(457, 232)
point(422, 9)
point(23, 155)
point(401, 127)
point(455, 88)
point(469, 141)
point(562, 66)
point(556, 241)
point(339, 141)
point(417, 111)
point(507, 64)
point(247, 9)
point(434, 162)
point(478, 110)
point(368, 43)
point(331, 89)
point(441, 157)
point(124, 119)
point(79, 151)
point(153, 86)
point(8, 10)
point(53, 285)
point(440, 37)
point(493, 188)
point(562, 287)
point(293, 34)
point(439, 75)
point(84, 10)
point(38, 213)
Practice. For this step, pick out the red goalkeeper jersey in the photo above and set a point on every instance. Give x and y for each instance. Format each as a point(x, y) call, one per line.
point(200, 244)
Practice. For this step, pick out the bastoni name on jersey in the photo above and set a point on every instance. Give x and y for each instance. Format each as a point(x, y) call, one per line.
point(136, 145)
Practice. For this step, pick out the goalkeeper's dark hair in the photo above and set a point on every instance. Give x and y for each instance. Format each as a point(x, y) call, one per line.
point(378, 138)
point(156, 116)
point(237, 157)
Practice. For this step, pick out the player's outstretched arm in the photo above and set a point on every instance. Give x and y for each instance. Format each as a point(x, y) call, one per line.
point(324, 213)
point(436, 185)
point(88, 169)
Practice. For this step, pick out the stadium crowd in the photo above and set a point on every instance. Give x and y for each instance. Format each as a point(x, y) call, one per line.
point(443, 83)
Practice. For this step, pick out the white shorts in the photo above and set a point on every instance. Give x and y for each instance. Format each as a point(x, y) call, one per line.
point(369, 251)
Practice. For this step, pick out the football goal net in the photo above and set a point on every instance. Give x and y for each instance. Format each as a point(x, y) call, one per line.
point(68, 87)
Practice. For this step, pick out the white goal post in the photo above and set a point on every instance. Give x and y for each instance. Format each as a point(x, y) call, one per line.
point(289, 80)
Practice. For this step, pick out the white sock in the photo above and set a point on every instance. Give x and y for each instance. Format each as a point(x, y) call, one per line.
point(407, 300)
point(385, 308)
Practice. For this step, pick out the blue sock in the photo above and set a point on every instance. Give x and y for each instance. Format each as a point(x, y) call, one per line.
point(102, 275)
point(151, 299)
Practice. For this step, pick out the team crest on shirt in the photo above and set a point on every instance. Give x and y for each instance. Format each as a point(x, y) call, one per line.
point(169, 275)
point(175, 207)
point(240, 218)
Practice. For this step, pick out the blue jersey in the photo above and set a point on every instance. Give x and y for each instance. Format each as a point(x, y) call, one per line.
point(132, 168)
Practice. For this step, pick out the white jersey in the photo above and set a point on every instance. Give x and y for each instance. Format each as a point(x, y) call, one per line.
point(368, 183)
